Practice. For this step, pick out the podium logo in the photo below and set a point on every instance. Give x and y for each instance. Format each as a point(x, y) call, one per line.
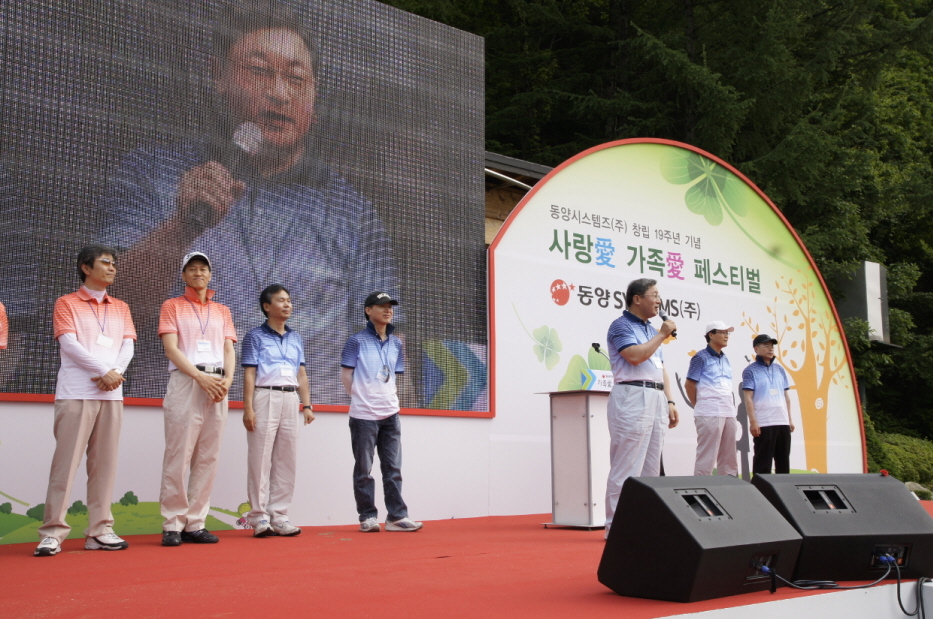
point(560, 291)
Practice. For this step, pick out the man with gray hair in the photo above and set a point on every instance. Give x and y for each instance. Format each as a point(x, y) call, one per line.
point(709, 389)
point(640, 406)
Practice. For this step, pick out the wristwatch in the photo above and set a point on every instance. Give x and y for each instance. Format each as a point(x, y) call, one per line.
point(306, 408)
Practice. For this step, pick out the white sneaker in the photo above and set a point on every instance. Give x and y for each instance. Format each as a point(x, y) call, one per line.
point(47, 547)
point(370, 526)
point(405, 524)
point(263, 529)
point(285, 529)
point(107, 541)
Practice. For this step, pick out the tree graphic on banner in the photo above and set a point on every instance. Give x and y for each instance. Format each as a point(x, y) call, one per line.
point(810, 349)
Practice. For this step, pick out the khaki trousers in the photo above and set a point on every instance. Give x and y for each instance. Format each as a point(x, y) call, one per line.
point(716, 446)
point(272, 460)
point(194, 426)
point(92, 425)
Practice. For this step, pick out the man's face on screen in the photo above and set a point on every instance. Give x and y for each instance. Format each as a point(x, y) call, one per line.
point(267, 79)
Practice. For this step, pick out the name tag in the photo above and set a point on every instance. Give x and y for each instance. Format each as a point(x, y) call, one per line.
point(286, 371)
point(774, 392)
point(103, 340)
point(657, 362)
point(204, 346)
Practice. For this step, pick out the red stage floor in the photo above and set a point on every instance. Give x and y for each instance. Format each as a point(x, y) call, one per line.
point(497, 566)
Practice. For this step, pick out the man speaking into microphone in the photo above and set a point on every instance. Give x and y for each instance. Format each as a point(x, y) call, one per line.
point(254, 194)
point(640, 406)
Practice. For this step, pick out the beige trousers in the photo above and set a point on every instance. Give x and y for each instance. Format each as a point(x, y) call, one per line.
point(92, 425)
point(716, 446)
point(194, 426)
point(272, 460)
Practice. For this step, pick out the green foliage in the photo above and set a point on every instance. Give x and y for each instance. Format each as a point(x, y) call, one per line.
point(77, 508)
point(129, 499)
point(907, 458)
point(36, 512)
point(6, 508)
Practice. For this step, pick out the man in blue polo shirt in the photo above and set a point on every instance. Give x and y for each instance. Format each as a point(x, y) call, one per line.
point(766, 393)
point(709, 389)
point(273, 379)
point(640, 406)
point(370, 361)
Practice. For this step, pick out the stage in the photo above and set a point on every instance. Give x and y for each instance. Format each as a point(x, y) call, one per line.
point(475, 567)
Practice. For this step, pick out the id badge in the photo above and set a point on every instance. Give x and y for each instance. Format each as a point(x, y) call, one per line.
point(657, 362)
point(774, 392)
point(204, 346)
point(103, 340)
point(287, 371)
point(384, 374)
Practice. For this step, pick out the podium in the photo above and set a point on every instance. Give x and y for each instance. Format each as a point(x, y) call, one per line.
point(579, 458)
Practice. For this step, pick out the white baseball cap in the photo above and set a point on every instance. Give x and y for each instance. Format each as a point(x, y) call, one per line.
point(718, 325)
point(195, 254)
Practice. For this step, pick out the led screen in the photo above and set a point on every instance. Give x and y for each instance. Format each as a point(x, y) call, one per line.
point(159, 128)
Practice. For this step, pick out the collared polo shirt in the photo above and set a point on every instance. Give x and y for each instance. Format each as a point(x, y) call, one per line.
point(769, 382)
point(202, 328)
point(375, 363)
point(630, 330)
point(4, 327)
point(100, 328)
point(712, 373)
point(275, 357)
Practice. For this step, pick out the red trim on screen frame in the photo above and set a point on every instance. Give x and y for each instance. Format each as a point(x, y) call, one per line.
point(318, 408)
point(491, 259)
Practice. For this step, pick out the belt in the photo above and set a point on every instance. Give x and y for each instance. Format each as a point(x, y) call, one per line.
point(647, 384)
point(285, 388)
point(211, 369)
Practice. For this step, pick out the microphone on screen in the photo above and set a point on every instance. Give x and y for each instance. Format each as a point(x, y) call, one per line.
point(665, 318)
point(246, 142)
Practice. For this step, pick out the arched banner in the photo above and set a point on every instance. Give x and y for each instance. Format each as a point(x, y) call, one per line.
point(719, 249)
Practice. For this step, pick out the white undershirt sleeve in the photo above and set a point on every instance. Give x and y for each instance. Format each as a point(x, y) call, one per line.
point(125, 355)
point(73, 349)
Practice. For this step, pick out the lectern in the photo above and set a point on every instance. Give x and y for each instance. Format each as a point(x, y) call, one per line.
point(579, 458)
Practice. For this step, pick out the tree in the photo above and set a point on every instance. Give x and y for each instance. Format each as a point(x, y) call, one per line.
point(129, 499)
point(6, 508)
point(36, 512)
point(77, 508)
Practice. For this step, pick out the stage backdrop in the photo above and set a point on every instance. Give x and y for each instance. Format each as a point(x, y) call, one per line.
point(719, 249)
point(106, 104)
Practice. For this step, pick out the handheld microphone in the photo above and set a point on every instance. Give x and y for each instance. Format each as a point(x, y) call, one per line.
point(596, 348)
point(665, 318)
point(247, 140)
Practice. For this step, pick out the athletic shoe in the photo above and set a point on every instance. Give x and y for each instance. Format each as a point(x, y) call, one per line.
point(263, 529)
point(47, 547)
point(405, 524)
point(285, 529)
point(370, 526)
point(108, 541)
point(199, 537)
point(171, 538)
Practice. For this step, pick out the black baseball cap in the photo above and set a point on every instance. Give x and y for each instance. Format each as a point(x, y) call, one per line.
point(763, 339)
point(379, 298)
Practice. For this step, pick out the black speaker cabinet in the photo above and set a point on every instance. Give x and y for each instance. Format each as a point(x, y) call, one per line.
point(847, 520)
point(685, 539)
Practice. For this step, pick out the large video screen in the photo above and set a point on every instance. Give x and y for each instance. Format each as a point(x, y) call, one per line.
point(335, 148)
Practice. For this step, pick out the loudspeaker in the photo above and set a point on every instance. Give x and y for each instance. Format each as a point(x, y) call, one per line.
point(848, 520)
point(685, 539)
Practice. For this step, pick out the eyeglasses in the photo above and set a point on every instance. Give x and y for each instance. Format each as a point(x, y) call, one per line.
point(651, 296)
point(295, 78)
point(107, 262)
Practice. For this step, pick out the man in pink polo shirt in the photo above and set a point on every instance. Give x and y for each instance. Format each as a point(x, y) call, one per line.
point(198, 336)
point(96, 335)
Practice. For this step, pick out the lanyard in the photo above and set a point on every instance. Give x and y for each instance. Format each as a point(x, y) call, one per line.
point(279, 339)
point(197, 315)
point(102, 325)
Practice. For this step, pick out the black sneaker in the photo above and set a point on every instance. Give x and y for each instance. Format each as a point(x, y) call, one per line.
point(171, 538)
point(199, 537)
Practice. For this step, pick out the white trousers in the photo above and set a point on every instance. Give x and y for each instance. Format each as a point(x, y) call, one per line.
point(194, 426)
point(638, 420)
point(272, 460)
point(92, 425)
point(716, 446)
